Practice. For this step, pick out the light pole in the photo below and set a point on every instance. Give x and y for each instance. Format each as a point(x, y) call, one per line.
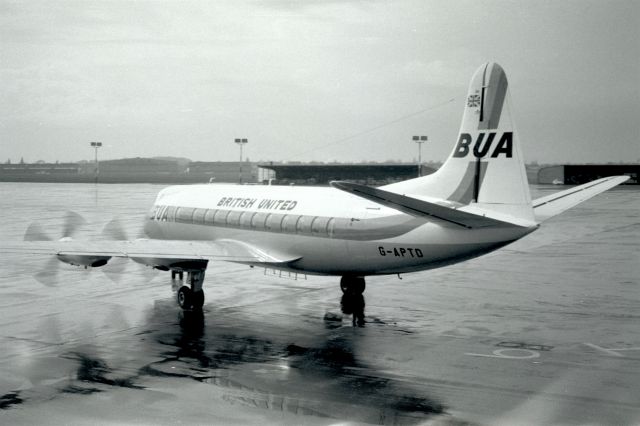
point(241, 142)
point(419, 140)
point(95, 146)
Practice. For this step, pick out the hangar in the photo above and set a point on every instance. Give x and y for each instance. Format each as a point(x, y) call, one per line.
point(576, 174)
point(322, 174)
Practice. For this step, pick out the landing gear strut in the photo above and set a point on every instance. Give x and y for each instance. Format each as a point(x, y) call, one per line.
point(350, 284)
point(192, 297)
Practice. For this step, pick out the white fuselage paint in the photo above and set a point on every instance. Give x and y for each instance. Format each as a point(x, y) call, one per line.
point(331, 231)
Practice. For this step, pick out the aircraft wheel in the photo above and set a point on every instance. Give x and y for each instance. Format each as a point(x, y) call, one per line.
point(197, 299)
point(352, 285)
point(185, 298)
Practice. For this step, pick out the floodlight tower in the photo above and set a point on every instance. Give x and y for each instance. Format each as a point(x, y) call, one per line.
point(419, 140)
point(241, 142)
point(95, 146)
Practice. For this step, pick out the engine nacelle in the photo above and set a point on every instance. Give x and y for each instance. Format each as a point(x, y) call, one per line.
point(84, 260)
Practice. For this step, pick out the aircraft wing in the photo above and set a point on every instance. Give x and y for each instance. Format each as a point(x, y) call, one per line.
point(420, 208)
point(158, 253)
point(554, 204)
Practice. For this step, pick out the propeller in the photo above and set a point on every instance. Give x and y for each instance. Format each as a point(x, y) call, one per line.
point(49, 276)
point(72, 222)
point(35, 233)
point(114, 230)
point(118, 268)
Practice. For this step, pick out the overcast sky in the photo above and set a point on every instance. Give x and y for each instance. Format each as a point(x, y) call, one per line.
point(312, 80)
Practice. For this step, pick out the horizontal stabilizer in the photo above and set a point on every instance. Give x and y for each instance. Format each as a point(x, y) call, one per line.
point(415, 207)
point(554, 204)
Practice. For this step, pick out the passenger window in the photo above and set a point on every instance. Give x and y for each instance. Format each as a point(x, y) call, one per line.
point(185, 214)
point(208, 217)
point(289, 223)
point(303, 226)
point(198, 216)
point(233, 218)
point(220, 218)
point(171, 214)
point(257, 221)
point(330, 227)
point(273, 222)
point(319, 225)
point(245, 219)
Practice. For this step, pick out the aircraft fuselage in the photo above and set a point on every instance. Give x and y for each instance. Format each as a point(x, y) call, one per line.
point(330, 231)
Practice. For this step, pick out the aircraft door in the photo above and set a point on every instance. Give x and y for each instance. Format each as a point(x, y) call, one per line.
point(361, 244)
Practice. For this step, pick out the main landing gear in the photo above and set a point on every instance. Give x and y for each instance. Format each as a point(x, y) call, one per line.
point(352, 302)
point(191, 297)
point(352, 285)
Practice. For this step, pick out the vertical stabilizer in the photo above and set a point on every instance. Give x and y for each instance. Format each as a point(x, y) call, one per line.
point(486, 165)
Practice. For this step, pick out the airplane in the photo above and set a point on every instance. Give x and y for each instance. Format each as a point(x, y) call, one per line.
point(477, 202)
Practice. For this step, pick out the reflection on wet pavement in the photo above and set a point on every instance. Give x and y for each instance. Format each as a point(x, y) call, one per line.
point(271, 371)
point(92, 370)
point(10, 399)
point(315, 371)
point(353, 304)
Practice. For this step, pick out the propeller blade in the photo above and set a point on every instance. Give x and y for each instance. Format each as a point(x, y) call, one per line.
point(72, 222)
point(117, 269)
point(114, 230)
point(49, 276)
point(35, 233)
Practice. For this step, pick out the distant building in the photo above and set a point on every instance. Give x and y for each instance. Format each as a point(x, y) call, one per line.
point(577, 174)
point(322, 174)
point(25, 170)
point(131, 170)
point(225, 171)
point(132, 166)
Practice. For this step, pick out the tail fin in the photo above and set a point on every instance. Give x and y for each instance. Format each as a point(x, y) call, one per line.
point(486, 166)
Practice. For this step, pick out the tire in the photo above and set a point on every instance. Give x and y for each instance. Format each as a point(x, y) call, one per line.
point(197, 299)
point(352, 285)
point(344, 286)
point(185, 298)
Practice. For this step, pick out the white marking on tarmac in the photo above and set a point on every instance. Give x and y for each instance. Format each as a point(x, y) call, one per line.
point(611, 351)
point(501, 353)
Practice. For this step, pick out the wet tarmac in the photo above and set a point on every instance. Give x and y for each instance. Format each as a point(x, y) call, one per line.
point(545, 331)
